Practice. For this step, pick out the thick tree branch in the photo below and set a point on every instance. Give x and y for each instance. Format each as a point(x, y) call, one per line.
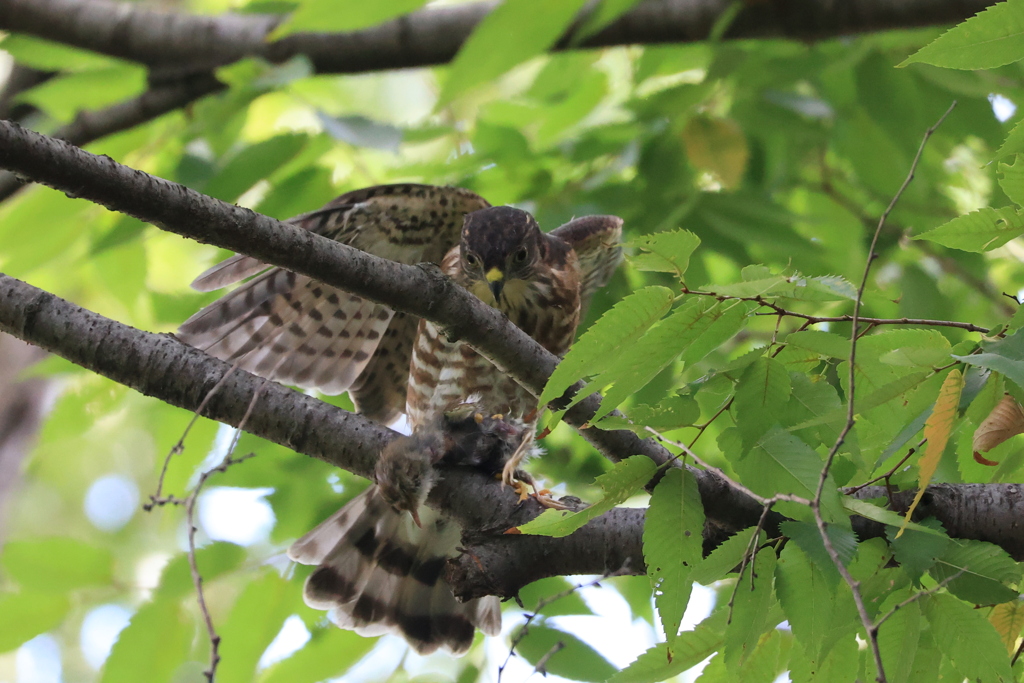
point(164, 368)
point(434, 36)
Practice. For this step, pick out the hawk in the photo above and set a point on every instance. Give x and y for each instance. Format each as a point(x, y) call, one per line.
point(380, 567)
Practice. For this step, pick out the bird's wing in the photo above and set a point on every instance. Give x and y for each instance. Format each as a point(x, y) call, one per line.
point(596, 241)
point(295, 330)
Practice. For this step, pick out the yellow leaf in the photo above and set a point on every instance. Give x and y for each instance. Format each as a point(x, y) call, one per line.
point(718, 147)
point(937, 430)
point(1008, 618)
point(1005, 421)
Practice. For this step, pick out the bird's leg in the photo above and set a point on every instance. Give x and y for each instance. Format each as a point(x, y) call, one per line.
point(508, 473)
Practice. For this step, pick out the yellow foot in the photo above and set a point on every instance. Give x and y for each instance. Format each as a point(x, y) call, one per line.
point(521, 490)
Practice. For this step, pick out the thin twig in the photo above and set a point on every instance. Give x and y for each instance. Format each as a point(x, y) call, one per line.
point(543, 661)
point(917, 596)
point(854, 489)
point(869, 626)
point(541, 604)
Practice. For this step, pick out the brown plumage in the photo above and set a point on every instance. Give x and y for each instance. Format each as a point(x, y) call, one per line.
point(379, 571)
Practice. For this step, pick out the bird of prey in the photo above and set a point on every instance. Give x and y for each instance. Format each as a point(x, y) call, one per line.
point(379, 570)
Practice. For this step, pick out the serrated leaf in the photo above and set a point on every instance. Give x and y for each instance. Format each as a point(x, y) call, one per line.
point(1014, 142)
point(917, 551)
point(689, 649)
point(984, 570)
point(1005, 356)
point(1011, 179)
point(887, 392)
point(513, 32)
point(57, 564)
point(806, 596)
point(937, 429)
point(671, 413)
point(1008, 620)
point(760, 399)
point(826, 344)
point(989, 39)
point(690, 332)
point(796, 286)
point(979, 231)
point(575, 659)
point(328, 16)
point(966, 637)
point(25, 615)
point(156, 641)
point(751, 608)
point(618, 328)
point(782, 463)
point(725, 558)
point(664, 252)
point(673, 545)
point(618, 484)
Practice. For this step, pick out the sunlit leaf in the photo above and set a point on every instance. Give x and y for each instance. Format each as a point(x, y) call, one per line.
point(725, 558)
point(25, 615)
point(156, 641)
point(981, 230)
point(665, 252)
point(1008, 619)
point(937, 430)
point(691, 647)
point(256, 618)
point(515, 31)
point(1011, 179)
point(325, 16)
point(717, 146)
point(991, 38)
point(752, 608)
point(569, 656)
point(329, 653)
point(56, 564)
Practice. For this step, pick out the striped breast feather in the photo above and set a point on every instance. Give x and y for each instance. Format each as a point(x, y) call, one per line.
point(379, 573)
point(291, 329)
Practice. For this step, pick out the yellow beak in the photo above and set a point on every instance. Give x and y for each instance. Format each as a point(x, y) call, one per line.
point(496, 278)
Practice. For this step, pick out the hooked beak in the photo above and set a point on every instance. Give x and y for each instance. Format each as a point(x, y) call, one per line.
point(416, 516)
point(496, 281)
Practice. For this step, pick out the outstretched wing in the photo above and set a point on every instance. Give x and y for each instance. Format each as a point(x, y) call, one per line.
point(296, 330)
point(597, 243)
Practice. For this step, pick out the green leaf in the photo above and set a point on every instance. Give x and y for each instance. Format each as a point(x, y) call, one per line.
point(1005, 356)
point(213, 560)
point(25, 615)
point(806, 596)
point(65, 95)
point(671, 413)
point(967, 638)
point(1014, 142)
point(664, 252)
point(808, 538)
point(796, 286)
point(1011, 179)
point(691, 331)
point(899, 636)
point(252, 164)
point(760, 400)
point(57, 564)
point(984, 570)
point(689, 649)
point(673, 545)
point(880, 514)
point(618, 328)
point(255, 620)
point(989, 39)
point(543, 590)
point(607, 11)
point(328, 654)
point(724, 559)
point(46, 55)
point(618, 484)
point(782, 463)
point(981, 230)
point(328, 16)
point(917, 551)
point(512, 33)
point(156, 641)
point(575, 660)
point(751, 609)
point(888, 392)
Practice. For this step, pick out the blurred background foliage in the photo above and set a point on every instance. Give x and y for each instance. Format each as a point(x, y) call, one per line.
point(773, 152)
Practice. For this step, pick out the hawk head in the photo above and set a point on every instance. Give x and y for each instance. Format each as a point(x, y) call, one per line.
point(501, 250)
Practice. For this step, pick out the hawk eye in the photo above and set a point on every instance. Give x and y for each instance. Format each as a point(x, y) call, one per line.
point(471, 260)
point(521, 255)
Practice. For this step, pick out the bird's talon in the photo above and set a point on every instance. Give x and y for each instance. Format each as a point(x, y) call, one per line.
point(497, 416)
point(478, 418)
